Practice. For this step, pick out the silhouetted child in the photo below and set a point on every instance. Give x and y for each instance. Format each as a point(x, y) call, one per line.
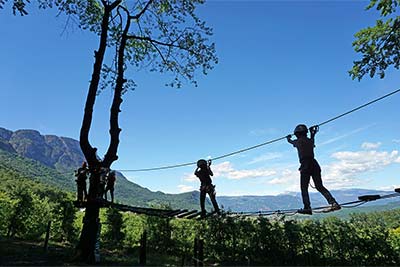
point(110, 185)
point(102, 181)
point(81, 176)
point(309, 167)
point(203, 172)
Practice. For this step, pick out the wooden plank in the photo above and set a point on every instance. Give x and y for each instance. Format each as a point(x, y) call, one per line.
point(187, 214)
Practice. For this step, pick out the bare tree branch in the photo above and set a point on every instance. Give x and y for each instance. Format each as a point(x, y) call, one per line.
point(145, 38)
point(137, 16)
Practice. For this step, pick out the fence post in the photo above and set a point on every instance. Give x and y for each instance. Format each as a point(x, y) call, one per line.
point(201, 252)
point(46, 240)
point(143, 247)
point(195, 252)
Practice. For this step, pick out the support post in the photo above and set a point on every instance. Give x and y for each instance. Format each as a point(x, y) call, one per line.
point(201, 252)
point(195, 252)
point(143, 248)
point(46, 240)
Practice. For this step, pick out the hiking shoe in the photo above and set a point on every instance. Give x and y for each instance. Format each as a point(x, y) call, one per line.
point(307, 211)
point(335, 206)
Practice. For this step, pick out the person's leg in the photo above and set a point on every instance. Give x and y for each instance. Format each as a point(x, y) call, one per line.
point(304, 182)
point(202, 201)
point(320, 187)
point(316, 176)
point(112, 194)
point(80, 193)
point(85, 191)
point(105, 193)
point(213, 200)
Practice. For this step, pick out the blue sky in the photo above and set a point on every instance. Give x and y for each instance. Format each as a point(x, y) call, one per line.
point(280, 63)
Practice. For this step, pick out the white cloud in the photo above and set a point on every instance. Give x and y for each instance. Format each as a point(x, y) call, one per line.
point(396, 141)
point(349, 165)
point(185, 188)
point(389, 188)
point(346, 135)
point(190, 178)
point(344, 171)
point(266, 157)
point(225, 169)
point(370, 146)
point(262, 132)
point(286, 176)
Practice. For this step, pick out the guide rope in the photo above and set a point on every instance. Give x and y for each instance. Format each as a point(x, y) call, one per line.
point(265, 143)
point(290, 212)
point(195, 214)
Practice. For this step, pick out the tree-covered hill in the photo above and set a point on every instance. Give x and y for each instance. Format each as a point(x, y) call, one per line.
point(51, 159)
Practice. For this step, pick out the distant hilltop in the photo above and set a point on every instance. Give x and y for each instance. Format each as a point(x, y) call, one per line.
point(60, 153)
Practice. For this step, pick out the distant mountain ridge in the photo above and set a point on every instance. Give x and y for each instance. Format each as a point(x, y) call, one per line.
point(294, 200)
point(61, 153)
point(50, 159)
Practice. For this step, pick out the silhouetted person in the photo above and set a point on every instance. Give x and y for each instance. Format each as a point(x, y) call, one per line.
point(102, 182)
point(203, 172)
point(309, 167)
point(81, 176)
point(110, 185)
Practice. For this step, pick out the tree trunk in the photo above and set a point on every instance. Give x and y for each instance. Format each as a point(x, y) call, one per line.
point(87, 241)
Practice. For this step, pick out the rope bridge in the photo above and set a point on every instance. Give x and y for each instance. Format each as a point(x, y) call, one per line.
point(195, 214)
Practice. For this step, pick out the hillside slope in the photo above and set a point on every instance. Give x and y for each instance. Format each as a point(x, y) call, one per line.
point(51, 159)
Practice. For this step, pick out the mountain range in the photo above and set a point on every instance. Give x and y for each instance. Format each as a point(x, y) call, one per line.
point(51, 160)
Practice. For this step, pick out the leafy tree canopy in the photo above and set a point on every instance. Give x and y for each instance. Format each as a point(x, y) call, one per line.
point(380, 44)
point(165, 35)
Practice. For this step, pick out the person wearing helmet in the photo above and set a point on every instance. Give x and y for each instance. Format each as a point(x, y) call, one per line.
point(309, 167)
point(110, 185)
point(203, 172)
point(81, 176)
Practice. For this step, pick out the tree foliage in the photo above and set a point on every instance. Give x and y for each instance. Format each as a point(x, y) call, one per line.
point(114, 224)
point(379, 45)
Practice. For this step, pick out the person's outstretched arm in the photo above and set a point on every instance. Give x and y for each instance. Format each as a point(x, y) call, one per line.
point(289, 139)
point(313, 131)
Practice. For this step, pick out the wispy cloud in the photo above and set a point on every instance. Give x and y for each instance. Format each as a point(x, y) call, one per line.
point(226, 170)
point(337, 138)
point(266, 157)
point(262, 132)
point(389, 188)
point(185, 188)
point(369, 146)
point(345, 171)
point(190, 178)
point(397, 141)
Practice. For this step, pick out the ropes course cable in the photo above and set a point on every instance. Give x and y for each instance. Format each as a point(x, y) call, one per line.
point(358, 108)
point(265, 143)
point(322, 209)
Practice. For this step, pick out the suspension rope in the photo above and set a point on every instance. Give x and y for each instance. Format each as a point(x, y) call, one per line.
point(265, 143)
point(290, 212)
point(359, 107)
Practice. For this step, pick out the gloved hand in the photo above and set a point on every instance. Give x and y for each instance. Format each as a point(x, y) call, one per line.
point(314, 129)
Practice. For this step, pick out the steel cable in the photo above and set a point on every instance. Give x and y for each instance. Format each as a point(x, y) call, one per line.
point(265, 143)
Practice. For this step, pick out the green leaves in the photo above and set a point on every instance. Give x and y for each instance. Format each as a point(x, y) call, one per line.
point(379, 45)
